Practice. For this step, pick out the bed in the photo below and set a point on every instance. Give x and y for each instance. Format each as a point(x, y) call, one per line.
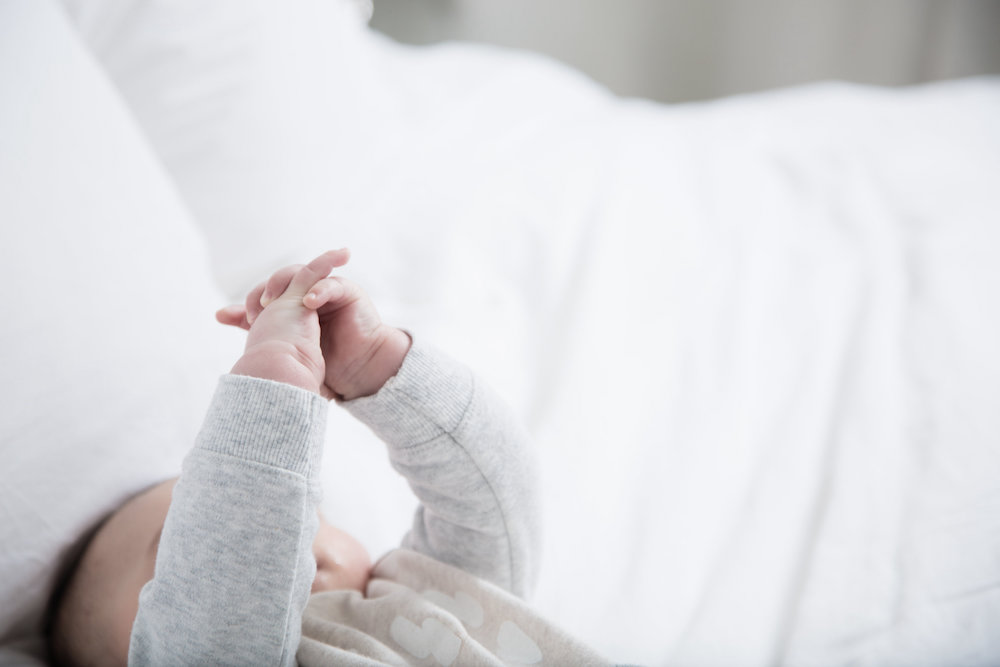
point(755, 339)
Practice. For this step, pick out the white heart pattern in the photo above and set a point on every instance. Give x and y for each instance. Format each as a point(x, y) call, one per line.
point(463, 606)
point(432, 638)
point(513, 645)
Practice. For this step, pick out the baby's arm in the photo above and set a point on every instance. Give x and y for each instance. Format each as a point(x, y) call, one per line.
point(234, 566)
point(466, 457)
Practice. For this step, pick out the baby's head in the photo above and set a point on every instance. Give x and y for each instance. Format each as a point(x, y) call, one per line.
point(92, 612)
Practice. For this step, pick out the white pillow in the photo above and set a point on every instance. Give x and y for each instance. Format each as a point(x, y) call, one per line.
point(253, 107)
point(109, 348)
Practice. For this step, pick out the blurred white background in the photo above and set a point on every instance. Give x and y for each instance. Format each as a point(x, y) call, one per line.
point(679, 50)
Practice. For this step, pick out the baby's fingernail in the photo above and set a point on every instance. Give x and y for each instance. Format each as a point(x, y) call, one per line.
point(265, 299)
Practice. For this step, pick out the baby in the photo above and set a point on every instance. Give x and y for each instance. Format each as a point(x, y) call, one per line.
point(231, 563)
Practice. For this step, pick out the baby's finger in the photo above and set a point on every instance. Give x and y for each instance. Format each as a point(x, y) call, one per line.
point(253, 307)
point(325, 291)
point(317, 270)
point(234, 316)
point(331, 294)
point(278, 283)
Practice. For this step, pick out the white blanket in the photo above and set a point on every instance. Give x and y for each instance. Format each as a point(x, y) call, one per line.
point(756, 340)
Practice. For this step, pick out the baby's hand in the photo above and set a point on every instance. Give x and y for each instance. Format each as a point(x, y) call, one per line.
point(317, 332)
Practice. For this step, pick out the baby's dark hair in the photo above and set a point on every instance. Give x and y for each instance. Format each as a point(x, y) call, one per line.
point(68, 639)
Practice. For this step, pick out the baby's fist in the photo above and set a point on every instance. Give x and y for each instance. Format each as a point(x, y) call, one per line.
point(317, 332)
point(283, 340)
point(359, 350)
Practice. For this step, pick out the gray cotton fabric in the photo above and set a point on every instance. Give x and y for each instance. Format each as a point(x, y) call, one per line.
point(235, 566)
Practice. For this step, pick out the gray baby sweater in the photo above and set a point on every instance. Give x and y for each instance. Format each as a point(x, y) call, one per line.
point(235, 567)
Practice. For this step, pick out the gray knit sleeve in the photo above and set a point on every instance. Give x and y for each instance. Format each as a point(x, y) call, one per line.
point(468, 461)
point(234, 566)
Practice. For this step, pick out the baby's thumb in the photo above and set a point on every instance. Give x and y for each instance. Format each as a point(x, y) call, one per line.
point(234, 316)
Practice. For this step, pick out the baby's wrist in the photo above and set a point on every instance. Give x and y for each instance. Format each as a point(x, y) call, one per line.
point(279, 362)
point(384, 364)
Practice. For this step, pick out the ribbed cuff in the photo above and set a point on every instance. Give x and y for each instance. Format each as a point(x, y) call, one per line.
point(428, 395)
point(266, 422)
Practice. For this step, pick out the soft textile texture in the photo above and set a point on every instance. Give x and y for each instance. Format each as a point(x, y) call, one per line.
point(237, 541)
point(108, 345)
point(468, 460)
point(417, 608)
point(763, 333)
point(251, 106)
